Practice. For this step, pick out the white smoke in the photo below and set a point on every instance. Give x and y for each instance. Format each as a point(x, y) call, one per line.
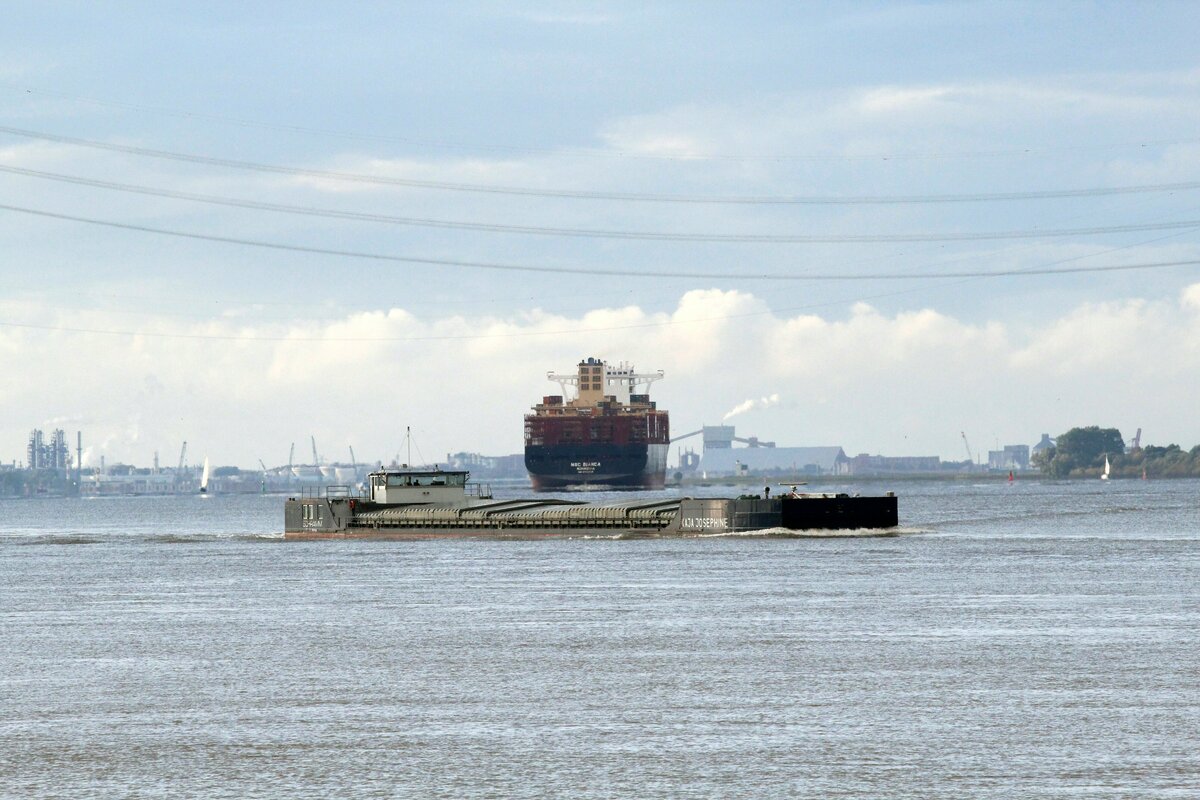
point(749, 405)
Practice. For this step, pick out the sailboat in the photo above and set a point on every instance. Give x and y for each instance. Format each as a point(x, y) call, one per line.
point(204, 478)
point(1107, 470)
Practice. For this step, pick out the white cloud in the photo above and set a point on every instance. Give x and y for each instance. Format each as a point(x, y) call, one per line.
point(1175, 163)
point(902, 383)
point(1189, 298)
point(1053, 98)
point(891, 100)
point(498, 171)
point(937, 119)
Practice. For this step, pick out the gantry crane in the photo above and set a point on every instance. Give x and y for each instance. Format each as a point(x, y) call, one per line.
point(966, 444)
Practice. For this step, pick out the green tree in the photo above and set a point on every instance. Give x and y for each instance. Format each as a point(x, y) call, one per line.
point(1084, 448)
point(1044, 460)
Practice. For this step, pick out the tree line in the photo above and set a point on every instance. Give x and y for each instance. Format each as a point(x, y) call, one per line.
point(1080, 452)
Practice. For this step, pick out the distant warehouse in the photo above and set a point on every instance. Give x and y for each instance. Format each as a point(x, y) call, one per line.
point(774, 461)
point(863, 464)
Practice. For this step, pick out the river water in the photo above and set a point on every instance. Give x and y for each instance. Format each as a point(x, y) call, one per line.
point(1032, 640)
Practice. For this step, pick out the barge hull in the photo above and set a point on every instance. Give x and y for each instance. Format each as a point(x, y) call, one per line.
point(349, 518)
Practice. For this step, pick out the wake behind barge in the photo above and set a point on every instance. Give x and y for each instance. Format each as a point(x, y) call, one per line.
point(435, 504)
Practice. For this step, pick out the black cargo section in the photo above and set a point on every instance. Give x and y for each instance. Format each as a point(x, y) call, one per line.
point(840, 512)
point(587, 463)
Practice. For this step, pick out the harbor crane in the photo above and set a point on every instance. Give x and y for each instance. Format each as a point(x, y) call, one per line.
point(182, 456)
point(291, 457)
point(316, 458)
point(966, 444)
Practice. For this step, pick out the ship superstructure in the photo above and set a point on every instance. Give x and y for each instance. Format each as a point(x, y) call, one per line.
point(607, 435)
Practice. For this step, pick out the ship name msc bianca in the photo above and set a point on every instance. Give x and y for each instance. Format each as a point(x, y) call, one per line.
point(608, 435)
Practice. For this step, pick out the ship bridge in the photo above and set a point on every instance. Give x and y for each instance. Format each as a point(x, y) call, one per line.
point(594, 380)
point(418, 486)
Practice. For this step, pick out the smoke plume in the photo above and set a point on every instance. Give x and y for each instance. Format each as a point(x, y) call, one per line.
point(748, 405)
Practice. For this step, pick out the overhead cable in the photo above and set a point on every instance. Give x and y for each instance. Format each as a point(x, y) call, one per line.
point(573, 194)
point(591, 233)
point(628, 273)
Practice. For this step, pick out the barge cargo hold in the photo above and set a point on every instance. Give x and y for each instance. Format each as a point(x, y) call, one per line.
point(436, 504)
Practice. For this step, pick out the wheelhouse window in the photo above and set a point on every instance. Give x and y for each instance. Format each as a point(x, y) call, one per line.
point(428, 479)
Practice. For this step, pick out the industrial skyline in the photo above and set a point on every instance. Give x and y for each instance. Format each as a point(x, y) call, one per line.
point(718, 454)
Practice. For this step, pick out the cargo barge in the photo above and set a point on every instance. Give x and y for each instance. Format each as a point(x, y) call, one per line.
point(607, 435)
point(440, 504)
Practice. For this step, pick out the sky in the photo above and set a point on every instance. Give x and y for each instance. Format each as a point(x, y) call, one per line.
point(882, 226)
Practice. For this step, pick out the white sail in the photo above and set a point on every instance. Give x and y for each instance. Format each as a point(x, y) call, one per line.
point(204, 478)
point(1107, 469)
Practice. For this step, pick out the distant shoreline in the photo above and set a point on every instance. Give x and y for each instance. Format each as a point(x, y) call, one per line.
point(996, 477)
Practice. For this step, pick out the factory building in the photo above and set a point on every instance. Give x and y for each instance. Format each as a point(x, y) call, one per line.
point(721, 459)
point(774, 461)
point(864, 464)
point(1012, 457)
point(1045, 444)
point(53, 454)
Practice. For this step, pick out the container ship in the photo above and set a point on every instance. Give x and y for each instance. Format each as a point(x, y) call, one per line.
point(608, 435)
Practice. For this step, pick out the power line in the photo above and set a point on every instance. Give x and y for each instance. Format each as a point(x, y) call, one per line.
point(582, 233)
point(517, 335)
point(975, 197)
point(627, 273)
point(598, 233)
point(541, 296)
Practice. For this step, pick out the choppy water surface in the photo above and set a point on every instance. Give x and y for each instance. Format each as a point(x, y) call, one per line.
point(1034, 640)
